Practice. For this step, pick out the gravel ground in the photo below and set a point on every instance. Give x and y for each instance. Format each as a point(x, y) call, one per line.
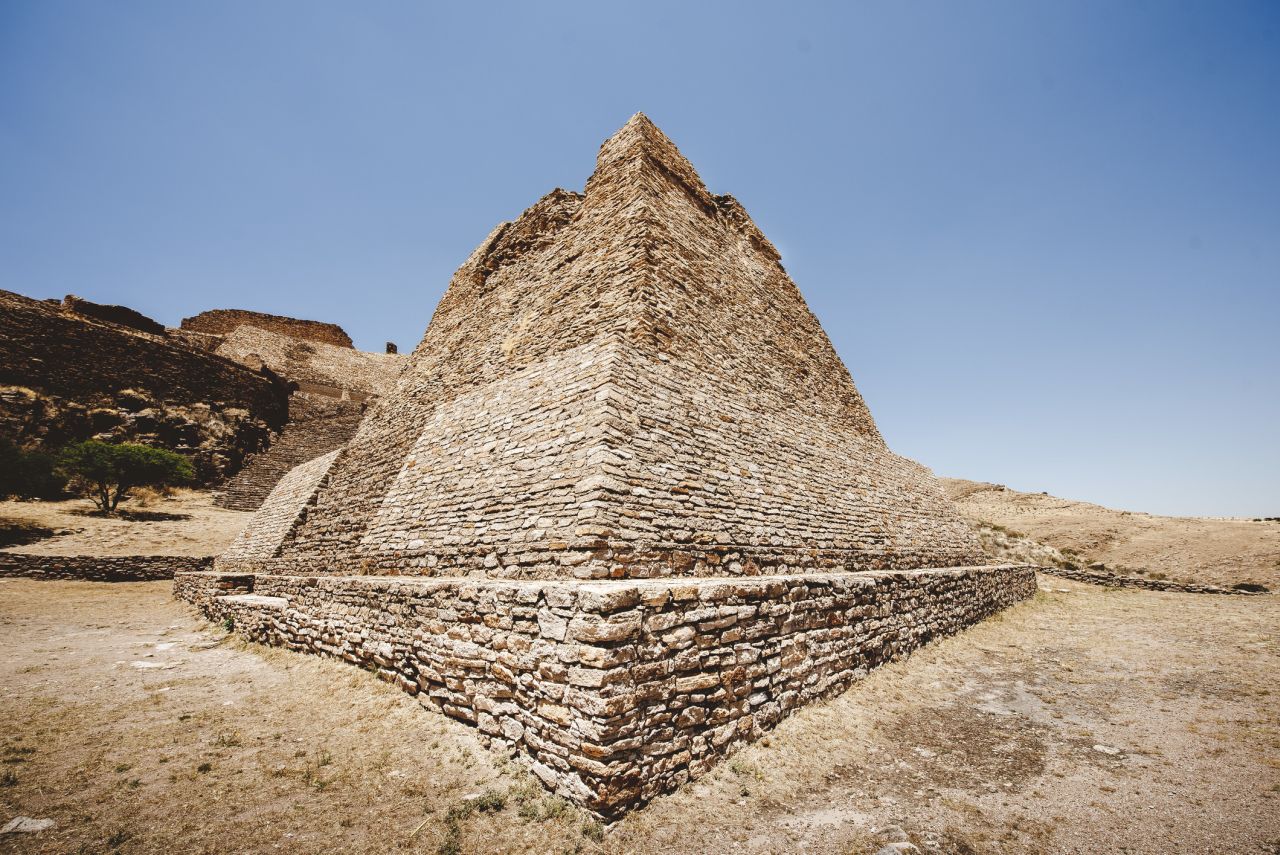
point(1087, 720)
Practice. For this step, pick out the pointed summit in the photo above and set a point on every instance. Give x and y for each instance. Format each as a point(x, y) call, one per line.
point(640, 149)
point(624, 383)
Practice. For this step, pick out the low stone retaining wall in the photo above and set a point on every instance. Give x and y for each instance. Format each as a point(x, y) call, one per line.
point(613, 692)
point(1115, 580)
point(92, 568)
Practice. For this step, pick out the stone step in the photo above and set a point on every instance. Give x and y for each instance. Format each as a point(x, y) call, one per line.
point(257, 601)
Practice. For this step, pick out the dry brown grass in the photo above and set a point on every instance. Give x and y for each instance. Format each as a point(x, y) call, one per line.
point(1183, 549)
point(174, 522)
point(139, 728)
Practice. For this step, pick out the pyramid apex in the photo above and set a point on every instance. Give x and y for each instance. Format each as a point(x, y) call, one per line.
point(642, 144)
point(638, 128)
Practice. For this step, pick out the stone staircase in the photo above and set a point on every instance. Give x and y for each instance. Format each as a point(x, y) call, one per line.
point(317, 425)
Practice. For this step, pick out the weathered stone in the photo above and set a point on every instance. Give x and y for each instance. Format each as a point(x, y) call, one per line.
point(225, 321)
point(625, 508)
point(26, 825)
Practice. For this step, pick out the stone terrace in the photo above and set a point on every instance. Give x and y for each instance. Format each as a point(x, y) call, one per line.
point(613, 692)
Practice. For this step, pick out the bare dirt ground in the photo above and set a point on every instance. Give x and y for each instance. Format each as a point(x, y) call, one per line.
point(185, 523)
point(1087, 720)
point(1183, 549)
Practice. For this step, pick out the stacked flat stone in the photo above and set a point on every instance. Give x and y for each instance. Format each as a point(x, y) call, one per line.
point(314, 366)
point(100, 568)
point(317, 425)
point(635, 509)
point(226, 321)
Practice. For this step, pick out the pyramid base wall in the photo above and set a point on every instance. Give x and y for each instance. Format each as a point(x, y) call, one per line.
point(613, 692)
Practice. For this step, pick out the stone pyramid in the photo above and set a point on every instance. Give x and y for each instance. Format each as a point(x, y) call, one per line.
point(622, 383)
point(611, 512)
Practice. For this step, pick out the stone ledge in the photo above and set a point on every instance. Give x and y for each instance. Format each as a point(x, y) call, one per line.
point(1115, 580)
point(254, 601)
point(613, 692)
point(100, 568)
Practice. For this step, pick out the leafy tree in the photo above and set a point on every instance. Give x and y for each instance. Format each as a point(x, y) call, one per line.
point(28, 474)
point(107, 471)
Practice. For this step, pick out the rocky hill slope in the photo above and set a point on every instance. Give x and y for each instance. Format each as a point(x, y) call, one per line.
point(1046, 530)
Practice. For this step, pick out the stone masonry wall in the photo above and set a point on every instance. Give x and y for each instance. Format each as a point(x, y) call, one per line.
point(225, 321)
point(91, 568)
point(314, 364)
point(613, 692)
point(1115, 580)
point(317, 425)
point(122, 315)
point(283, 510)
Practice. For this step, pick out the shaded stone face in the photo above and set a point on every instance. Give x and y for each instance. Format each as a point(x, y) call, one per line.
point(122, 315)
point(71, 376)
point(624, 383)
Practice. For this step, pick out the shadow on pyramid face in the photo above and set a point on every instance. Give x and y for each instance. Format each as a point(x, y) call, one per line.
point(625, 507)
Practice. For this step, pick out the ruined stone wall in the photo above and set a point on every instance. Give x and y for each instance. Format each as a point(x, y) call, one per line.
point(72, 377)
point(1116, 580)
point(614, 692)
point(122, 315)
point(314, 365)
point(93, 568)
point(225, 321)
point(279, 514)
point(317, 426)
point(194, 340)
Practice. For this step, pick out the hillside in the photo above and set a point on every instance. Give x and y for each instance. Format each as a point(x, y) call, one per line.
point(1183, 549)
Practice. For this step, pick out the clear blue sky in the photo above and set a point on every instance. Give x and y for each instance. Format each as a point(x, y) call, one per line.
point(1044, 237)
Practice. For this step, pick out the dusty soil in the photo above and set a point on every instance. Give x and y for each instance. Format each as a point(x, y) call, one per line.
point(1086, 720)
point(185, 523)
point(1183, 549)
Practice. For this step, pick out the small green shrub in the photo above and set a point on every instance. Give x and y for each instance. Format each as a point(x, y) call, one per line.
point(490, 801)
point(105, 472)
point(593, 830)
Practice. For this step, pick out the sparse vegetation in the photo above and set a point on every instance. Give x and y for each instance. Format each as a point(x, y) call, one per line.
point(1075, 535)
point(593, 830)
point(490, 801)
point(106, 472)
